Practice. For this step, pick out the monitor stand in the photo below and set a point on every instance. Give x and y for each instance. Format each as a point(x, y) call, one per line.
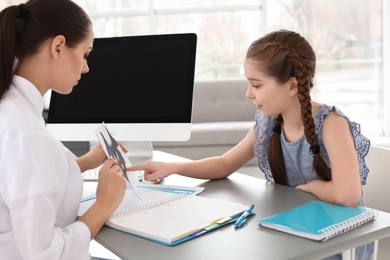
point(138, 152)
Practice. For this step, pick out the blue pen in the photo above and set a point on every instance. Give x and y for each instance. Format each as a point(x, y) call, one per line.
point(241, 220)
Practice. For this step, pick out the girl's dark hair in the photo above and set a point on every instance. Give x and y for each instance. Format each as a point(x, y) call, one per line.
point(25, 27)
point(284, 54)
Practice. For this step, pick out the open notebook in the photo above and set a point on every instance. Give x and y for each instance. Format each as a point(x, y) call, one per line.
point(318, 220)
point(170, 218)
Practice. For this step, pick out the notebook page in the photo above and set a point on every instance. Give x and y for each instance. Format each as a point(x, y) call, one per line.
point(175, 219)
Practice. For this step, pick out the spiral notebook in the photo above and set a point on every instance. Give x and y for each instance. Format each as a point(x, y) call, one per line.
point(318, 220)
point(173, 218)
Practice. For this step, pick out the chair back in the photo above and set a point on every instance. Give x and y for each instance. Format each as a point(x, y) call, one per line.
point(376, 192)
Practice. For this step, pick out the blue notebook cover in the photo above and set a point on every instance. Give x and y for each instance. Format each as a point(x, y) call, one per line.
point(318, 220)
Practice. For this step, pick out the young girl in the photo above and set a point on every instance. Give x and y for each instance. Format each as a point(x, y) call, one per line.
point(44, 45)
point(298, 142)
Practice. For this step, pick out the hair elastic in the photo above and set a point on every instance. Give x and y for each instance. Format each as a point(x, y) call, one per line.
point(23, 12)
point(315, 149)
point(277, 129)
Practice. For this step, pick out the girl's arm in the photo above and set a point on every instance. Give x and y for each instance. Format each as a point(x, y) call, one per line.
point(345, 187)
point(209, 168)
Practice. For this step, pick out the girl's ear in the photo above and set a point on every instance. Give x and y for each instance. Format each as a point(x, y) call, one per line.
point(293, 85)
point(57, 46)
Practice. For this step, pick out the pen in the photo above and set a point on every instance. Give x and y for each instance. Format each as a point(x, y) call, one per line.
point(241, 220)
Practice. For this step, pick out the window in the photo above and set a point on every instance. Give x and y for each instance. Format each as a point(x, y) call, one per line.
point(346, 35)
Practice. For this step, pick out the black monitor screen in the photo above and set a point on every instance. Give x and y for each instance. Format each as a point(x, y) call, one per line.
point(134, 79)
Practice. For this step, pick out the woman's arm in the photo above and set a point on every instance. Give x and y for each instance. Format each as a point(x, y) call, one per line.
point(345, 187)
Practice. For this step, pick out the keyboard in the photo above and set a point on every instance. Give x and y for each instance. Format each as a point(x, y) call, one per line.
point(93, 175)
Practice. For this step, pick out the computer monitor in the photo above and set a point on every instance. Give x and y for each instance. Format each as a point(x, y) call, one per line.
point(141, 87)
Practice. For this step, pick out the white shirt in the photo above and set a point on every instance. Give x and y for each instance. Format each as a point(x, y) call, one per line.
point(40, 184)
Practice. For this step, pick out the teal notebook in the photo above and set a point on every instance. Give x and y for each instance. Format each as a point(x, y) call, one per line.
point(318, 220)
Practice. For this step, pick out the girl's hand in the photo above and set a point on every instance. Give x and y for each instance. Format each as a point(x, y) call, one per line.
point(303, 187)
point(153, 171)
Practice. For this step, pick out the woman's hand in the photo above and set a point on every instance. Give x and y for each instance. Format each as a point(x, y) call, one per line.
point(111, 184)
point(109, 194)
point(94, 157)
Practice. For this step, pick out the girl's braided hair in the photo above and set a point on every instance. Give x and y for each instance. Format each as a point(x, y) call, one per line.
point(285, 54)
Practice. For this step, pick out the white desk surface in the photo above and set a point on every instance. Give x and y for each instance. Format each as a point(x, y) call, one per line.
point(250, 241)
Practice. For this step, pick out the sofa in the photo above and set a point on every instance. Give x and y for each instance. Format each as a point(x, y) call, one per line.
point(221, 118)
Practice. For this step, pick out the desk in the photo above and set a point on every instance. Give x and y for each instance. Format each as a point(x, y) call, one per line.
point(250, 241)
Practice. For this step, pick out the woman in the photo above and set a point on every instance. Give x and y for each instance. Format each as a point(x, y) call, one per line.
point(44, 45)
point(298, 142)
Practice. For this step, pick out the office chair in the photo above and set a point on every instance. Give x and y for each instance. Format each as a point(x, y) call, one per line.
point(377, 191)
point(376, 194)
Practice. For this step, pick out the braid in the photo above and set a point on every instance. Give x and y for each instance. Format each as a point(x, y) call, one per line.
point(305, 83)
point(275, 154)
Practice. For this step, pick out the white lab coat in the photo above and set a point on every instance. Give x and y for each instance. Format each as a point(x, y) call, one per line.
point(40, 184)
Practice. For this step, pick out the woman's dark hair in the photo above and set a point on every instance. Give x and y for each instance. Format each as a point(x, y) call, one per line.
point(284, 54)
point(25, 27)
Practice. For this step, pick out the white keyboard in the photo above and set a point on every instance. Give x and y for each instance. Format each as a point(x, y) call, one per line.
point(90, 175)
point(93, 175)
